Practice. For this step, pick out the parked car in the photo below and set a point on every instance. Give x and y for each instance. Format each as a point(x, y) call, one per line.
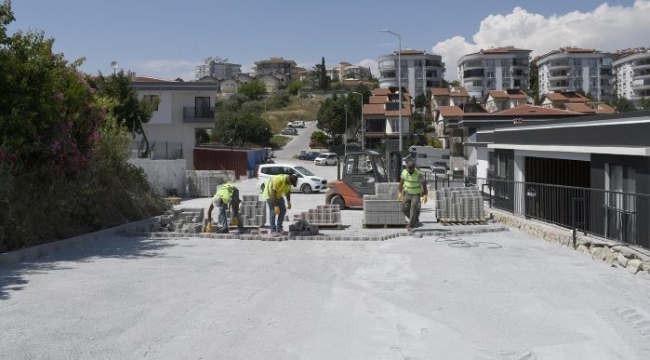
point(440, 169)
point(311, 155)
point(296, 124)
point(307, 183)
point(289, 131)
point(327, 159)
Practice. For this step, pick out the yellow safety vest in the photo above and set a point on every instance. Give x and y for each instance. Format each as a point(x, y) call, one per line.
point(279, 183)
point(224, 192)
point(412, 184)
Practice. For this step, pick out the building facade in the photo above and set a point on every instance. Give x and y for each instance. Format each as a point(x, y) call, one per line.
point(345, 70)
point(285, 69)
point(420, 71)
point(184, 108)
point(495, 69)
point(576, 69)
point(632, 71)
point(381, 116)
point(217, 70)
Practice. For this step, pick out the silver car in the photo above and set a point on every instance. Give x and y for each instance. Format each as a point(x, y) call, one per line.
point(327, 159)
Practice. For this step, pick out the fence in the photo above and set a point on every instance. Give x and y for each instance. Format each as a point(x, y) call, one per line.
point(158, 150)
point(624, 217)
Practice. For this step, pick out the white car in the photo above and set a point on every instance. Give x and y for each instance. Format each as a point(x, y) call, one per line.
point(307, 183)
point(327, 159)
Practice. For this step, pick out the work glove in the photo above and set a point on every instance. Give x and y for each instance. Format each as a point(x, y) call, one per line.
point(208, 228)
point(400, 197)
point(424, 199)
point(276, 211)
point(235, 221)
point(289, 205)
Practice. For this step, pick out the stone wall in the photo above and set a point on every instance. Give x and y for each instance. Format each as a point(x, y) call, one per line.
point(635, 259)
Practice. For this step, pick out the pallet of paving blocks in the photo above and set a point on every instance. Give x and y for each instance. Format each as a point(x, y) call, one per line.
point(323, 216)
point(252, 211)
point(459, 205)
point(383, 208)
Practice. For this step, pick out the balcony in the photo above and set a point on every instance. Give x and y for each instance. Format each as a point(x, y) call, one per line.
point(193, 114)
point(639, 85)
point(558, 65)
point(558, 76)
point(641, 66)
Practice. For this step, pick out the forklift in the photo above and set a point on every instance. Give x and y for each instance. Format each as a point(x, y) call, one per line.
point(357, 176)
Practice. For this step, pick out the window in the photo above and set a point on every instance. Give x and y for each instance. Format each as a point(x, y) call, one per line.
point(621, 204)
point(502, 166)
point(154, 100)
point(201, 107)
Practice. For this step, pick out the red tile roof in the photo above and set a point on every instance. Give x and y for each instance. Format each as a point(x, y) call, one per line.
point(499, 94)
point(381, 91)
point(378, 99)
point(450, 111)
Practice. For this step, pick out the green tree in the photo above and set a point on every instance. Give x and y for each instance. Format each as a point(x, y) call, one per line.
point(254, 90)
point(295, 86)
point(319, 137)
point(331, 116)
point(129, 110)
point(623, 105)
point(238, 128)
point(420, 102)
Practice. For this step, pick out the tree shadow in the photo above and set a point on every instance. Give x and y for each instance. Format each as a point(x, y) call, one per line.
point(13, 277)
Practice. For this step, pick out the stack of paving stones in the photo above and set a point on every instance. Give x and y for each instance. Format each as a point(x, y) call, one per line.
point(383, 208)
point(252, 211)
point(180, 221)
point(460, 204)
point(322, 215)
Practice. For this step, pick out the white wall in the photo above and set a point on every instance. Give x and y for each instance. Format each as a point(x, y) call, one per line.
point(164, 175)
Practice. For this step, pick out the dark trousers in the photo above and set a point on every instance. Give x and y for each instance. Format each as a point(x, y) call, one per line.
point(411, 208)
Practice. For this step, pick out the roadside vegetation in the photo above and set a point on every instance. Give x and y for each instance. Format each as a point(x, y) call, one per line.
point(64, 145)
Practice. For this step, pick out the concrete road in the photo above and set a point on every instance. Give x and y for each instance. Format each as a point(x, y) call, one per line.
point(496, 296)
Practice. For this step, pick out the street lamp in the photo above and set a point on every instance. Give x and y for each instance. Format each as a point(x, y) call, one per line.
point(399, 82)
point(363, 126)
point(345, 133)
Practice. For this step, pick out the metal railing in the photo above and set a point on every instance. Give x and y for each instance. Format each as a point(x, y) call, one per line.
point(619, 216)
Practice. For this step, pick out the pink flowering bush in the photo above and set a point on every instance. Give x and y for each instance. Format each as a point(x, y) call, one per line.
point(63, 155)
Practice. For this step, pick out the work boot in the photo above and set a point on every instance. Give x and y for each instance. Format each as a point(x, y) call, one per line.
point(223, 231)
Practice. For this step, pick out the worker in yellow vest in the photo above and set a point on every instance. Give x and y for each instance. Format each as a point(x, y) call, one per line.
point(275, 189)
point(227, 195)
point(412, 191)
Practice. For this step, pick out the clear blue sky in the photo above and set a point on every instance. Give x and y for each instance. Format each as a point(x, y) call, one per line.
point(168, 38)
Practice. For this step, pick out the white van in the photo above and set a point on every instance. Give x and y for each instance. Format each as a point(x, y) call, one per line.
point(307, 183)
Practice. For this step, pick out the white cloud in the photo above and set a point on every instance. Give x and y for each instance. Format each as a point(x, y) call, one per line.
point(606, 28)
point(372, 64)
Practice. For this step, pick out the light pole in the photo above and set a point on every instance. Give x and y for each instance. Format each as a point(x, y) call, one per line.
point(345, 133)
point(399, 82)
point(363, 126)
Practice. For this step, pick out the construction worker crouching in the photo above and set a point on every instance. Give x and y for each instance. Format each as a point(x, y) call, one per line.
point(411, 188)
point(275, 189)
point(227, 195)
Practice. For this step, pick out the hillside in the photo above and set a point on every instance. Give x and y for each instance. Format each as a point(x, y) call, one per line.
point(299, 109)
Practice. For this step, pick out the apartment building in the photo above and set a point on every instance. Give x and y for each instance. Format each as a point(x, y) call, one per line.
point(346, 70)
point(217, 69)
point(420, 71)
point(184, 108)
point(632, 71)
point(576, 69)
point(500, 68)
point(381, 116)
point(282, 68)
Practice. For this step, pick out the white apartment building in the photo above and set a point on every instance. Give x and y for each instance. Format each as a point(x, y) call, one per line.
point(632, 71)
point(420, 71)
point(494, 69)
point(217, 70)
point(346, 70)
point(575, 69)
